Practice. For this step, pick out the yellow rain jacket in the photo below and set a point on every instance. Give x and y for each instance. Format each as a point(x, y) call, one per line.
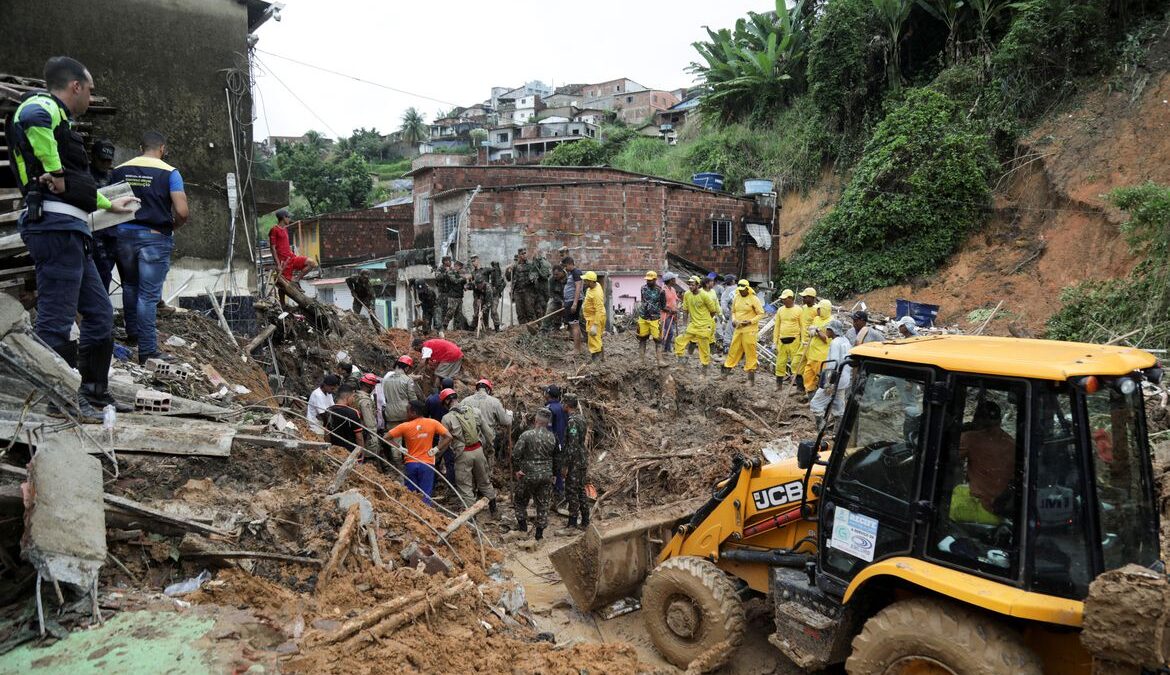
point(747, 308)
point(701, 310)
point(818, 349)
point(789, 323)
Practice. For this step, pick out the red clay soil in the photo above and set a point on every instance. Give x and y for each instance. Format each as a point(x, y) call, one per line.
point(1052, 226)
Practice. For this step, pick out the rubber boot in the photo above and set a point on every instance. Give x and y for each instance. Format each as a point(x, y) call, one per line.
point(724, 372)
point(584, 520)
point(593, 357)
point(751, 377)
point(93, 362)
point(493, 508)
point(658, 357)
point(572, 521)
point(779, 383)
point(642, 350)
point(522, 525)
point(539, 533)
point(703, 373)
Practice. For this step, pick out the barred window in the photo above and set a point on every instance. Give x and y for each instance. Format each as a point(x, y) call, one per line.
point(450, 222)
point(720, 233)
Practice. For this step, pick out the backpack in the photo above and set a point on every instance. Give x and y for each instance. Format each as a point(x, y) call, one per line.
point(469, 423)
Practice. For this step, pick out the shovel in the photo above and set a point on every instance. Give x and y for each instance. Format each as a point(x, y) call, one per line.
point(532, 325)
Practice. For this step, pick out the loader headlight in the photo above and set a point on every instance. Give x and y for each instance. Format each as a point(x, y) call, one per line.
point(1126, 386)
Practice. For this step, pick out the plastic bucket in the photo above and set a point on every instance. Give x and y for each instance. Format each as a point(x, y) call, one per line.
point(709, 181)
point(757, 186)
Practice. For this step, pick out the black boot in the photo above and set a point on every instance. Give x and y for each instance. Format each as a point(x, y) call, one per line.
point(492, 509)
point(522, 525)
point(539, 533)
point(68, 351)
point(93, 361)
point(584, 520)
point(572, 521)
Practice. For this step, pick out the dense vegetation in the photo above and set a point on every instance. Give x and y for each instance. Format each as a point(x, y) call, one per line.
point(1139, 305)
point(914, 100)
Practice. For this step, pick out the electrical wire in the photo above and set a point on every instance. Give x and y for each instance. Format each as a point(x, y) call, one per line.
point(271, 72)
point(358, 79)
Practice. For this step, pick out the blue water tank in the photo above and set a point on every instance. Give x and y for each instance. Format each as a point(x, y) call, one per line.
point(708, 180)
point(923, 314)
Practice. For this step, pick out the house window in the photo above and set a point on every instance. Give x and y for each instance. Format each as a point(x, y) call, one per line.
point(629, 99)
point(576, 132)
point(450, 222)
point(720, 233)
point(502, 138)
point(422, 209)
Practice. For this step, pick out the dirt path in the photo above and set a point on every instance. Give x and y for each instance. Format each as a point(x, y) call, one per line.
point(554, 612)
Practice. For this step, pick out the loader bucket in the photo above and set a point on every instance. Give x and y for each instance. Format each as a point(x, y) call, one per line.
point(608, 563)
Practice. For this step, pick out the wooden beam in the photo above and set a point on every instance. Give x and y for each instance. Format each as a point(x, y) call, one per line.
point(284, 443)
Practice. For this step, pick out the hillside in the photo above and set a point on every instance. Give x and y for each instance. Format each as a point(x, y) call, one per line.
point(1051, 226)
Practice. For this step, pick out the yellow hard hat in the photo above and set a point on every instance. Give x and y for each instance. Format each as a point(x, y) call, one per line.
point(589, 276)
point(810, 291)
point(787, 294)
point(744, 283)
point(651, 275)
point(695, 280)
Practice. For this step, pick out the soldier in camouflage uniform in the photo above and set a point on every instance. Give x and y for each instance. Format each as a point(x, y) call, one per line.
point(441, 281)
point(532, 461)
point(456, 283)
point(497, 280)
point(576, 463)
point(523, 289)
point(368, 409)
point(542, 273)
point(483, 292)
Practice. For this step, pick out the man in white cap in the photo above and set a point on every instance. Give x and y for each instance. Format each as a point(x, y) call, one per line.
point(835, 377)
point(907, 327)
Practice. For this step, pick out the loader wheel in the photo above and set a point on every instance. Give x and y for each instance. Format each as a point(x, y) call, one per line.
point(692, 610)
point(931, 637)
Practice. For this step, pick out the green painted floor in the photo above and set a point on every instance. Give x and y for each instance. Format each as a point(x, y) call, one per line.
point(130, 642)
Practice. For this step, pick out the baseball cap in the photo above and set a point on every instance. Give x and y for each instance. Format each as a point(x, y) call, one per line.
point(810, 292)
point(861, 314)
point(651, 275)
point(589, 276)
point(787, 294)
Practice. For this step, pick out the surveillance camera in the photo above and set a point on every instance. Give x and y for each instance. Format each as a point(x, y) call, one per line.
point(252, 40)
point(276, 13)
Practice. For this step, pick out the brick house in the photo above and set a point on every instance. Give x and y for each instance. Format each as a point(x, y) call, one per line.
point(347, 238)
point(617, 223)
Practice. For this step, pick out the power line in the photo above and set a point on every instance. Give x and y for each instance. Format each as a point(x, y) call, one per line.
point(299, 100)
point(358, 79)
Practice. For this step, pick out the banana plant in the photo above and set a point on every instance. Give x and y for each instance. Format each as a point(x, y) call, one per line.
point(893, 14)
point(762, 59)
point(950, 13)
point(986, 12)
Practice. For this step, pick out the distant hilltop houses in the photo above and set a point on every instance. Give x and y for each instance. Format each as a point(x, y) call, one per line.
point(524, 123)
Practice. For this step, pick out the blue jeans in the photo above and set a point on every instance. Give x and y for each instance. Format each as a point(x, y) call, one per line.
point(144, 258)
point(420, 477)
point(67, 285)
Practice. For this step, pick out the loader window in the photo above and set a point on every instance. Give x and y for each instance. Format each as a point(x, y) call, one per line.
point(981, 467)
point(1124, 511)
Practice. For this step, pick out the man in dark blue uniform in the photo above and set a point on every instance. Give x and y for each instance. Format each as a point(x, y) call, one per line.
point(52, 169)
point(105, 242)
point(145, 243)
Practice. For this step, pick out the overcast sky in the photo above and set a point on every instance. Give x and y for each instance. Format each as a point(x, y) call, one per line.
point(456, 50)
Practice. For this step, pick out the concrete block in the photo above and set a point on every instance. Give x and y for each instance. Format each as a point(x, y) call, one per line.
point(65, 522)
point(149, 400)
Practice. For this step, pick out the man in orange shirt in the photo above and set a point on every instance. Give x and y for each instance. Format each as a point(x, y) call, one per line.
point(418, 434)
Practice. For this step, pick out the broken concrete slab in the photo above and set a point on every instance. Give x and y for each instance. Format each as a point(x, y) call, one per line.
point(350, 497)
point(132, 434)
point(283, 443)
point(65, 524)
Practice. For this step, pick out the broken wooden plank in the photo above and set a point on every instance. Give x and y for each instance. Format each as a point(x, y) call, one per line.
point(742, 420)
point(466, 516)
point(342, 545)
point(283, 443)
point(195, 546)
point(213, 376)
point(141, 510)
point(346, 467)
point(260, 339)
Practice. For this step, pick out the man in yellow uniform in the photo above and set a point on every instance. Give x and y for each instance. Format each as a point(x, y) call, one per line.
point(701, 310)
point(818, 347)
point(746, 312)
point(593, 309)
point(787, 333)
point(808, 312)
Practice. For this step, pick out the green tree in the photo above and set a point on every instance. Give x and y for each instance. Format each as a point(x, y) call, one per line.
point(585, 152)
point(845, 65)
point(370, 144)
point(949, 12)
point(414, 127)
point(328, 182)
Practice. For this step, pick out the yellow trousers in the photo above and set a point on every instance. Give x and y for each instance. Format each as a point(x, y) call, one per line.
point(594, 341)
point(812, 375)
point(786, 357)
point(702, 338)
point(743, 345)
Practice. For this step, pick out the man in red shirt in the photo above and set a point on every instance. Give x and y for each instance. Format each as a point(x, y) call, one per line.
point(446, 357)
point(287, 261)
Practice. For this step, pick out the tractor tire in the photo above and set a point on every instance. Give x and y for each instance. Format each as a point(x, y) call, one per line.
point(930, 636)
point(692, 610)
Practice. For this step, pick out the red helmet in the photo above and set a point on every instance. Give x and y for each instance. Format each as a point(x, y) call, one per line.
point(485, 382)
point(406, 361)
point(370, 379)
point(446, 394)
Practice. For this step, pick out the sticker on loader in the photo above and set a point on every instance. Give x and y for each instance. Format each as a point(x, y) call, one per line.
point(779, 495)
point(854, 534)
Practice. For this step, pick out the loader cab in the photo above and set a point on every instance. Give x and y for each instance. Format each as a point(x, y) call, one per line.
point(976, 458)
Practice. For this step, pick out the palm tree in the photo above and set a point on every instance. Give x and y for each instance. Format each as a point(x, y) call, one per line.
point(414, 127)
point(893, 15)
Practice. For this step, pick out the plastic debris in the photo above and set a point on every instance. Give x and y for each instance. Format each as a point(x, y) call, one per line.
point(189, 586)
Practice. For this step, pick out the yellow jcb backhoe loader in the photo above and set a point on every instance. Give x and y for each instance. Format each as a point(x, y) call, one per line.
point(974, 488)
